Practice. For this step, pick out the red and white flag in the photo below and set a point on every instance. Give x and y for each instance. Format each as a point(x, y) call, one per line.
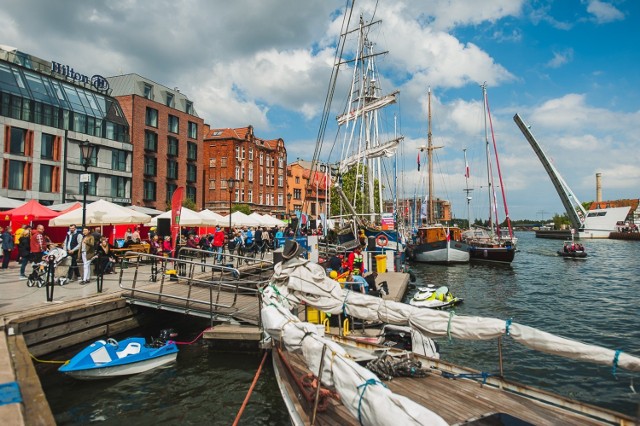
point(176, 210)
point(466, 169)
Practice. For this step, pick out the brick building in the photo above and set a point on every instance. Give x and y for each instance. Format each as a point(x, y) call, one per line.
point(166, 134)
point(258, 165)
point(308, 192)
point(47, 110)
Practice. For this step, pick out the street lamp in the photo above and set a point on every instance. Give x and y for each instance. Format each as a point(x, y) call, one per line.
point(231, 183)
point(289, 205)
point(86, 148)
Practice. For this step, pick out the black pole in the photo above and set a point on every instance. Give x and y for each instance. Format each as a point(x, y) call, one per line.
point(84, 199)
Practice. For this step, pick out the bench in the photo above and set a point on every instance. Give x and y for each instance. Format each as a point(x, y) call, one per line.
point(120, 253)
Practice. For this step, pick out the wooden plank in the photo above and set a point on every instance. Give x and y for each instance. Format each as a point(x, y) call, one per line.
point(233, 332)
point(36, 407)
point(11, 414)
point(56, 331)
point(84, 336)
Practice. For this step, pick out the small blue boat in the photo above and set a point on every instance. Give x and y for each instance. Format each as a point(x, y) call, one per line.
point(110, 358)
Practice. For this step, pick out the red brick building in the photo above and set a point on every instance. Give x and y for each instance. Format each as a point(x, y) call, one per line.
point(166, 135)
point(308, 192)
point(258, 165)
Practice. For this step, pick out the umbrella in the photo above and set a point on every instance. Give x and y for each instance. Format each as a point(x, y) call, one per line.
point(101, 212)
point(187, 218)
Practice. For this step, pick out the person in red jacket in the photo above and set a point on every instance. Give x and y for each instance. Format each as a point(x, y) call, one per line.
point(218, 242)
point(355, 260)
point(38, 244)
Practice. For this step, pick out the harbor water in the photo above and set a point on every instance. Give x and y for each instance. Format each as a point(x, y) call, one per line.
point(594, 301)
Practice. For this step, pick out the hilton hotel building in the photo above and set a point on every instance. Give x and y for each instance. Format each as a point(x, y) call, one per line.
point(47, 110)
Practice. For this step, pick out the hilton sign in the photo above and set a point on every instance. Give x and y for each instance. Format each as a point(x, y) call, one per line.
point(97, 81)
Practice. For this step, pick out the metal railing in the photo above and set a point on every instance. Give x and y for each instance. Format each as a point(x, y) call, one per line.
point(179, 282)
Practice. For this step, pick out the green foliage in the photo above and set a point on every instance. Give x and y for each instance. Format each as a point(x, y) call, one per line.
point(348, 185)
point(244, 208)
point(186, 202)
point(559, 220)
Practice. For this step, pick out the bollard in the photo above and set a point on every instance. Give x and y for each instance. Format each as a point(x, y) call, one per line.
point(50, 284)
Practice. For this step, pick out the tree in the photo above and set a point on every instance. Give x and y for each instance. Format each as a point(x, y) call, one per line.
point(186, 202)
point(241, 208)
point(348, 184)
point(560, 220)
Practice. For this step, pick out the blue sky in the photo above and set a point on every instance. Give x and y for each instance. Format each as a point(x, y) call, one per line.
point(570, 68)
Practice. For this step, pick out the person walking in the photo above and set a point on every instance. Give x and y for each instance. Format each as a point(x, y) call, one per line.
point(24, 251)
point(38, 244)
point(86, 253)
point(71, 244)
point(218, 242)
point(7, 247)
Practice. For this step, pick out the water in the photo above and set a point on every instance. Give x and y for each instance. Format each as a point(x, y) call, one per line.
point(594, 301)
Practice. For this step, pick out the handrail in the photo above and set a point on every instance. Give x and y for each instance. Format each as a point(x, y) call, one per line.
point(219, 279)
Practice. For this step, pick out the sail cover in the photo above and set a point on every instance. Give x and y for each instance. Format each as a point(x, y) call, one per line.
point(387, 149)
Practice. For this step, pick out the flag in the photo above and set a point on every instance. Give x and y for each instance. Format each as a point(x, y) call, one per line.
point(448, 235)
point(176, 209)
point(466, 169)
point(418, 160)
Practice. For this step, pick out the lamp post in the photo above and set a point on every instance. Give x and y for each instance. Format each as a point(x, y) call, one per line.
point(289, 205)
point(86, 149)
point(231, 183)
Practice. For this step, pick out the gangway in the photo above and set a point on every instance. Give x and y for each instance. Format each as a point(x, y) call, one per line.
point(191, 285)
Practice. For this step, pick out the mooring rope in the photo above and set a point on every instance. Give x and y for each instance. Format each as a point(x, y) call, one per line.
point(46, 361)
point(191, 342)
point(253, 385)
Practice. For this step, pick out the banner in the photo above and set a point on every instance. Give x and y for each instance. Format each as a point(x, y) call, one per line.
point(176, 209)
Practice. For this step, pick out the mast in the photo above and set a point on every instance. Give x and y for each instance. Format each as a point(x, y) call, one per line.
point(493, 213)
point(467, 190)
point(429, 164)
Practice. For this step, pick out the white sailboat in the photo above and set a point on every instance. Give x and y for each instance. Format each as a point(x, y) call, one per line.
point(491, 244)
point(434, 241)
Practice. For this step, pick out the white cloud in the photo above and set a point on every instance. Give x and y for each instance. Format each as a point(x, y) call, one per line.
point(560, 58)
point(603, 12)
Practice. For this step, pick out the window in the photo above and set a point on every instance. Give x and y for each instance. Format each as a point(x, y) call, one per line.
point(174, 124)
point(223, 162)
point(212, 162)
point(189, 107)
point(191, 193)
point(261, 176)
point(212, 184)
point(193, 130)
point(261, 158)
point(297, 194)
point(148, 91)
point(119, 160)
point(16, 174)
point(242, 173)
point(172, 169)
point(280, 162)
point(150, 166)
point(237, 172)
point(223, 184)
point(280, 199)
point(169, 99)
point(250, 174)
point(297, 179)
point(243, 153)
point(46, 146)
point(149, 190)
point(151, 118)
point(251, 154)
point(172, 149)
point(92, 185)
point(17, 144)
point(260, 198)
point(118, 187)
point(171, 188)
point(250, 196)
point(237, 152)
point(192, 172)
point(192, 151)
point(150, 141)
point(46, 176)
point(280, 181)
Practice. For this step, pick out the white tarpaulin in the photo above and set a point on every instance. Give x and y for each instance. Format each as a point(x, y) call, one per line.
point(101, 212)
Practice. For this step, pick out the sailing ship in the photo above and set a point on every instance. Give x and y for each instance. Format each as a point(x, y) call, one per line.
point(322, 383)
point(490, 245)
point(433, 241)
point(366, 154)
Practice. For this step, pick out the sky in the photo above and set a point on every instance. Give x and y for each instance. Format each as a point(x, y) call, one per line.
point(570, 68)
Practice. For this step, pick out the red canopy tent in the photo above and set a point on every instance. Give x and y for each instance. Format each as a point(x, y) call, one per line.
point(29, 211)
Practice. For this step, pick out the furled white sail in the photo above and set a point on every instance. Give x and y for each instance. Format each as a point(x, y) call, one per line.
point(370, 106)
point(388, 149)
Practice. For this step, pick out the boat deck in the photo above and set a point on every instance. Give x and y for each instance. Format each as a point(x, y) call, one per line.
point(457, 401)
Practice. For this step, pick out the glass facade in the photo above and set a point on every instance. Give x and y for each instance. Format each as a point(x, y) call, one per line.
point(29, 96)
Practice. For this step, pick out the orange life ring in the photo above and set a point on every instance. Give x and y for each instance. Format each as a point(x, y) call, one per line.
point(382, 240)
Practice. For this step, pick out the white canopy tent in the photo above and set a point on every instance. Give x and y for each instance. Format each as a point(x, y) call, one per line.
point(263, 221)
point(187, 218)
point(146, 210)
point(101, 212)
point(217, 219)
point(273, 221)
point(241, 219)
point(9, 203)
